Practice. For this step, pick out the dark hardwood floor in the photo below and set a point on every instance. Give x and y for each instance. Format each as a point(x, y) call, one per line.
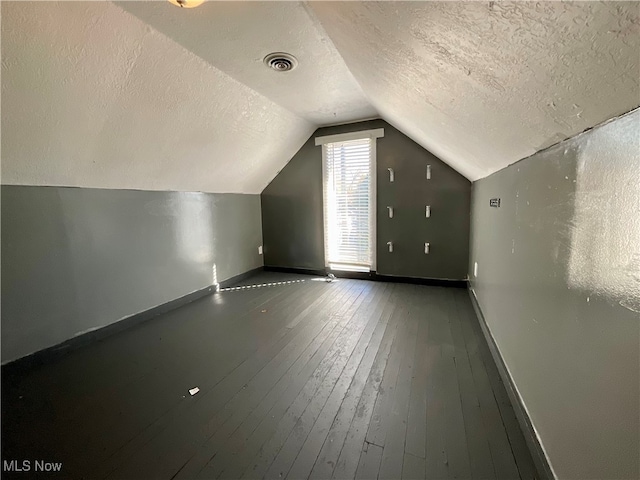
point(308, 379)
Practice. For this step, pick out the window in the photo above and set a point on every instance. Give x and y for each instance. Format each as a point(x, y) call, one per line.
point(349, 200)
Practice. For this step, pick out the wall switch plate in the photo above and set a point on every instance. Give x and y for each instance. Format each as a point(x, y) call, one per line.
point(260, 250)
point(475, 269)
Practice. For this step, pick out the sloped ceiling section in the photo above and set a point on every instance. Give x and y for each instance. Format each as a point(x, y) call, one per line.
point(484, 84)
point(146, 95)
point(236, 36)
point(94, 97)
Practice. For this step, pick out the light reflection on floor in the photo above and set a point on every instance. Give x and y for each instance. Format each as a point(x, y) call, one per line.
point(259, 285)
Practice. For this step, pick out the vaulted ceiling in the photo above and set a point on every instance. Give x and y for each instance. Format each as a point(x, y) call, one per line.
point(149, 96)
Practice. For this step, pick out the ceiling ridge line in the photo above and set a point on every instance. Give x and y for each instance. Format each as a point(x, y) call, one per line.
point(308, 10)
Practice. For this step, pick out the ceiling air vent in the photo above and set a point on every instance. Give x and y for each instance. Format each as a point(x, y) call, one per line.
point(281, 62)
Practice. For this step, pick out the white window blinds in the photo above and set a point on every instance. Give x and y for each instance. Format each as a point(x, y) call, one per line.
point(348, 208)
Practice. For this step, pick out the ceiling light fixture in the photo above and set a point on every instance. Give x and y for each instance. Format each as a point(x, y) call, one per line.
point(280, 61)
point(187, 3)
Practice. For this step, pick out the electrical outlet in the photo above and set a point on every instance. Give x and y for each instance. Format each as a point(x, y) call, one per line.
point(260, 250)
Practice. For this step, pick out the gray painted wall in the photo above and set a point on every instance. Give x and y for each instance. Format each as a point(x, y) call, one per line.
point(292, 212)
point(76, 259)
point(292, 225)
point(559, 285)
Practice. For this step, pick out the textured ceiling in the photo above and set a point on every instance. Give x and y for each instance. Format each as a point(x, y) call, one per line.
point(484, 84)
point(94, 97)
point(146, 95)
point(236, 36)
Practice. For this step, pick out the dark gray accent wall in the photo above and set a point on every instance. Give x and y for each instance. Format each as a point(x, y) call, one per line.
point(292, 211)
point(447, 230)
point(292, 225)
point(77, 259)
point(559, 286)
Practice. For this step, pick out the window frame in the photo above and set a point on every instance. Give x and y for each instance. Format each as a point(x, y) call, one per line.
point(323, 141)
